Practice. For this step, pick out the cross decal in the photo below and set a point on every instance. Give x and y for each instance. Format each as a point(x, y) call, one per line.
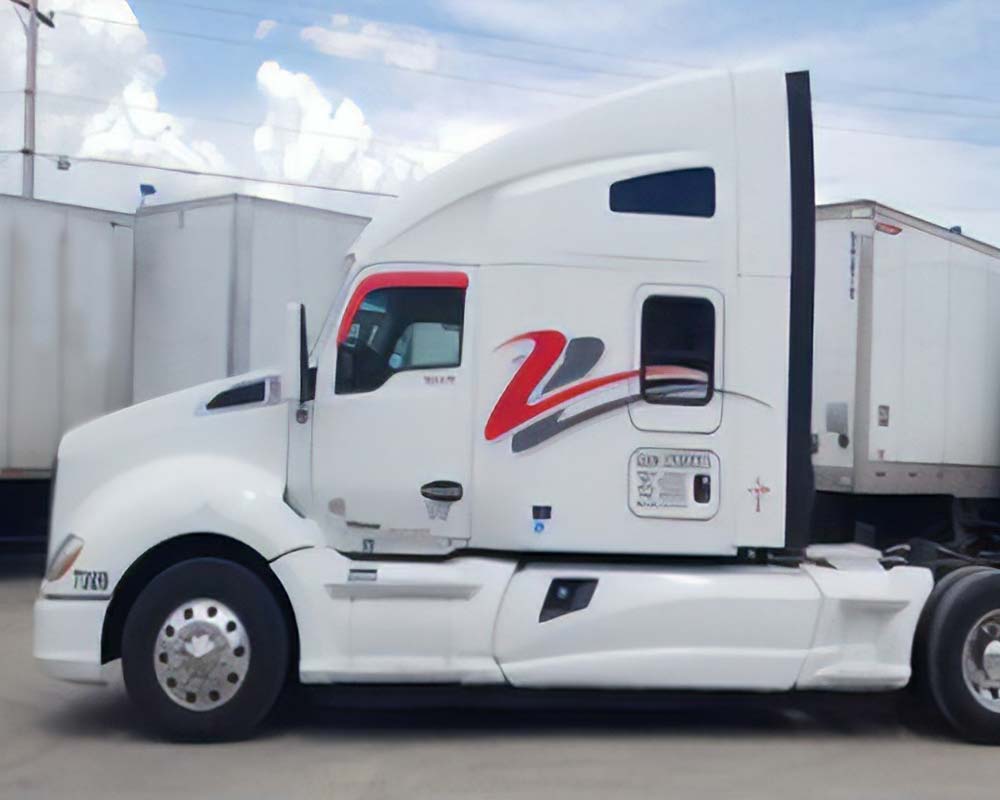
point(758, 490)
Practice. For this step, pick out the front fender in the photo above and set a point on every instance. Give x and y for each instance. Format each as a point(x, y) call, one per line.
point(164, 498)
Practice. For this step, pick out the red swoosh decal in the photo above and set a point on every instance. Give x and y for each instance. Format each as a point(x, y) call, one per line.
point(513, 409)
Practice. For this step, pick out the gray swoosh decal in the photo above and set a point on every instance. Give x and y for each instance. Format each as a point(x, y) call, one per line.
point(550, 426)
point(580, 357)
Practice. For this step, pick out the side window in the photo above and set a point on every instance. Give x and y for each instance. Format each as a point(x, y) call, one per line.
point(397, 329)
point(677, 350)
point(679, 193)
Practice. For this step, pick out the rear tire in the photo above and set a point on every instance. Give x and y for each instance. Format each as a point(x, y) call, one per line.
point(205, 650)
point(920, 682)
point(963, 655)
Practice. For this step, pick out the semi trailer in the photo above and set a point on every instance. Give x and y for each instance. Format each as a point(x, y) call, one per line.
point(102, 309)
point(212, 277)
point(906, 438)
point(65, 344)
point(555, 432)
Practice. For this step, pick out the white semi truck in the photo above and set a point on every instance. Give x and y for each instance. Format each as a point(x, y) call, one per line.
point(555, 432)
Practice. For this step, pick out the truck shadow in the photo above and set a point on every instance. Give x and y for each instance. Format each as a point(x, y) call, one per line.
point(21, 563)
point(663, 715)
point(108, 714)
point(409, 714)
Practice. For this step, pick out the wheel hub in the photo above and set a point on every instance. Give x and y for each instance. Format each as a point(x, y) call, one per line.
point(981, 661)
point(201, 655)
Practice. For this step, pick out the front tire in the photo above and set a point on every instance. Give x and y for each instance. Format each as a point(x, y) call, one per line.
point(205, 650)
point(963, 656)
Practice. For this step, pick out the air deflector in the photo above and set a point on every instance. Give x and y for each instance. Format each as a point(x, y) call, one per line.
point(799, 484)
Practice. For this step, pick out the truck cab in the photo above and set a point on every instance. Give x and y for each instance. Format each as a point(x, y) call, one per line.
point(555, 433)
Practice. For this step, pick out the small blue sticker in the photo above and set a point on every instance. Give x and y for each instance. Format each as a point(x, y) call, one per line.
point(539, 527)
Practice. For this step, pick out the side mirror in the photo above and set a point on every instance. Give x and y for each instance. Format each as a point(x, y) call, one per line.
point(295, 374)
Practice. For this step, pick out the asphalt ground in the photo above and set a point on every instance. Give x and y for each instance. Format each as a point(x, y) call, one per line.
point(59, 740)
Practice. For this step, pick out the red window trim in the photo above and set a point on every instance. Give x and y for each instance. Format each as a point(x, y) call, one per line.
point(390, 280)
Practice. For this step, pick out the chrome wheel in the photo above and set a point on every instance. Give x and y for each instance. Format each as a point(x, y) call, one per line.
point(201, 655)
point(981, 661)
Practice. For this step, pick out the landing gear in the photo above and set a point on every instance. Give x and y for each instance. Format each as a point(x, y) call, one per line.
point(205, 650)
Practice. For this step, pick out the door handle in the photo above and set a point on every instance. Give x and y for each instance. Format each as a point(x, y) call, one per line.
point(443, 491)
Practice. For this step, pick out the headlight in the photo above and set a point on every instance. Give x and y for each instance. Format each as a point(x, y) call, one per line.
point(64, 557)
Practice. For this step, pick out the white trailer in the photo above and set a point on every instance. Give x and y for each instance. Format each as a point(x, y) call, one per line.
point(65, 341)
point(907, 371)
point(65, 323)
point(555, 433)
point(212, 280)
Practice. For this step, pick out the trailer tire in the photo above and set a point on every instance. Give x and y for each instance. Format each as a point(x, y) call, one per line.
point(205, 650)
point(963, 653)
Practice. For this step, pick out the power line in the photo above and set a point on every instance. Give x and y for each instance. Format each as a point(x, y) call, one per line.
point(402, 144)
point(254, 43)
point(577, 49)
point(977, 98)
point(374, 37)
point(208, 174)
point(523, 41)
point(304, 185)
point(604, 53)
point(892, 135)
point(398, 143)
point(521, 87)
point(939, 112)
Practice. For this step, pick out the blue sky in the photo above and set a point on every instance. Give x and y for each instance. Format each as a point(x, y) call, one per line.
point(907, 97)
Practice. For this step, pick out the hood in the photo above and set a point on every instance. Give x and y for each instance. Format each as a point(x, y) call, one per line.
point(240, 418)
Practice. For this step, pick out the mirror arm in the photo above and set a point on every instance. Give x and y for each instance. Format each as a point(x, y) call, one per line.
point(307, 382)
point(296, 385)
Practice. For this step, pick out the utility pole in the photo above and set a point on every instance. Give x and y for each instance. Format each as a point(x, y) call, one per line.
point(30, 81)
point(30, 84)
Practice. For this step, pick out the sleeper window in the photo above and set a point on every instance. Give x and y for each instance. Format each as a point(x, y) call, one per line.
point(678, 193)
point(677, 350)
point(400, 329)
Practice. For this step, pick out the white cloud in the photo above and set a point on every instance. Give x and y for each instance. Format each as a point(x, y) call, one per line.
point(92, 104)
point(417, 50)
point(264, 27)
point(310, 131)
point(560, 21)
point(302, 136)
point(325, 136)
point(131, 128)
point(307, 134)
point(307, 138)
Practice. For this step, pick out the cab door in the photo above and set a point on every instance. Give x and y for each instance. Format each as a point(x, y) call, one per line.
point(391, 434)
